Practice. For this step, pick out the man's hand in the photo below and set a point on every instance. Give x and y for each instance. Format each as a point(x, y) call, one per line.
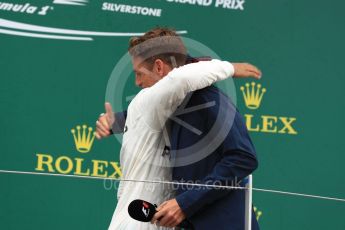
point(243, 70)
point(169, 214)
point(105, 122)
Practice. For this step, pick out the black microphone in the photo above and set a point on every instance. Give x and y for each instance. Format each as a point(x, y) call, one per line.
point(144, 211)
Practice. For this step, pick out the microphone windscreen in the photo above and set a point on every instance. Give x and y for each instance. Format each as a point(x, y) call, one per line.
point(141, 210)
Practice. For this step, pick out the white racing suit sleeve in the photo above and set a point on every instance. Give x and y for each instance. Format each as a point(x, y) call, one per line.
point(158, 102)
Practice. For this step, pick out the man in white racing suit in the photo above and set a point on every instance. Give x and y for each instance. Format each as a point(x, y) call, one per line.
point(165, 87)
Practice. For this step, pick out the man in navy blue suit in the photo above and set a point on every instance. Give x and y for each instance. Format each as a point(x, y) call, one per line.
point(228, 164)
point(209, 145)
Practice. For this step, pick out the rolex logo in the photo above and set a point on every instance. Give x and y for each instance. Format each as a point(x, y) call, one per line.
point(83, 138)
point(253, 94)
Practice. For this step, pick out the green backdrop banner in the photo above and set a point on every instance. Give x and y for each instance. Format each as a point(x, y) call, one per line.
point(58, 55)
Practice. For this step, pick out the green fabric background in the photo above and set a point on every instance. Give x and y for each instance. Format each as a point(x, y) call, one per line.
point(49, 86)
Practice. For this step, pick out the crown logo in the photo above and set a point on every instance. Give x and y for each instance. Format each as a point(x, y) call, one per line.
point(83, 138)
point(253, 94)
point(258, 213)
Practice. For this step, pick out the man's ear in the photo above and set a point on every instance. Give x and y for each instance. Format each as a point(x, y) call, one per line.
point(159, 67)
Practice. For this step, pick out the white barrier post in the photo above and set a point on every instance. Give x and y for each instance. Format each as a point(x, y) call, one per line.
point(248, 203)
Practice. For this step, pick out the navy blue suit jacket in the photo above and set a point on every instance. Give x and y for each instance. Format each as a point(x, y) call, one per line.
point(230, 160)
